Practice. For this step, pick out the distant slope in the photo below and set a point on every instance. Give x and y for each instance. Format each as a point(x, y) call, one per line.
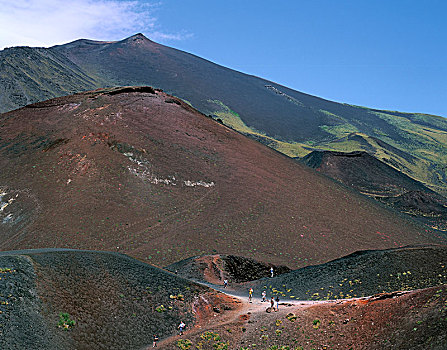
point(376, 179)
point(138, 171)
point(117, 302)
point(402, 159)
point(287, 120)
point(29, 75)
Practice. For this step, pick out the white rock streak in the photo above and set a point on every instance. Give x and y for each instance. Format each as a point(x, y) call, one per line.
point(198, 183)
point(144, 171)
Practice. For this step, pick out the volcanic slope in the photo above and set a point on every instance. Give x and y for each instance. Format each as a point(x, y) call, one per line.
point(378, 180)
point(138, 171)
point(360, 274)
point(29, 75)
point(290, 121)
point(116, 302)
point(403, 304)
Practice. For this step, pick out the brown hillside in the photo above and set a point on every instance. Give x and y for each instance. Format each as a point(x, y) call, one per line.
point(137, 171)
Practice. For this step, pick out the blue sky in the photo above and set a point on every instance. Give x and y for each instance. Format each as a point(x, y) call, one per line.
point(382, 54)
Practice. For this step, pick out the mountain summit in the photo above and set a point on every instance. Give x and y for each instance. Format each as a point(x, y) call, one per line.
point(136, 37)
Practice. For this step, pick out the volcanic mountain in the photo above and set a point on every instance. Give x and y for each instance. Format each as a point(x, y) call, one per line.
point(138, 171)
point(292, 122)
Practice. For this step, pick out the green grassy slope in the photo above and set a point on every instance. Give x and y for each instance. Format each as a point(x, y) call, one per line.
point(415, 145)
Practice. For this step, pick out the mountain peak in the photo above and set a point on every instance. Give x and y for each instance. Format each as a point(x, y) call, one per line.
point(137, 37)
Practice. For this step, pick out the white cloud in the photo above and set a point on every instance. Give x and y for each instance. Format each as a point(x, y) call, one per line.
point(51, 22)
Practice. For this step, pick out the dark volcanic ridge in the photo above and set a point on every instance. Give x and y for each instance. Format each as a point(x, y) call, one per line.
point(116, 302)
point(138, 171)
point(374, 178)
point(360, 274)
point(217, 268)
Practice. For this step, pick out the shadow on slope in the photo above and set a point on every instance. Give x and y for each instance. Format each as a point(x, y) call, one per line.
point(216, 268)
point(361, 274)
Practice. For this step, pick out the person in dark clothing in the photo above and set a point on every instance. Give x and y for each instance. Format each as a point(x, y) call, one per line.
point(277, 302)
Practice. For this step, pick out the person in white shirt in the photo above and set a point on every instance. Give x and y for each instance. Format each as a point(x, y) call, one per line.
point(181, 327)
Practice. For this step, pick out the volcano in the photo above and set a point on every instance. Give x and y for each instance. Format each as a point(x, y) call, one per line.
point(138, 171)
point(287, 120)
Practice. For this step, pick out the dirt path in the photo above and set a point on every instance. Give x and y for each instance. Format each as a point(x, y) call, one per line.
point(256, 306)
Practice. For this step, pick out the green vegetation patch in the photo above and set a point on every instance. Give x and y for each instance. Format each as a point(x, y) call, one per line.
point(65, 322)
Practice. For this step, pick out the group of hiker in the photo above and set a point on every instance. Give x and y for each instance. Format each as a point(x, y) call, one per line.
point(274, 303)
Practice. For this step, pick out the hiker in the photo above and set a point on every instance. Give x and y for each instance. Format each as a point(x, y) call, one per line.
point(154, 344)
point(181, 326)
point(277, 302)
point(263, 296)
point(272, 303)
point(271, 271)
point(225, 283)
point(250, 294)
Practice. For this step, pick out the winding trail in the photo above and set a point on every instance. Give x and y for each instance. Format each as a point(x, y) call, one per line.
point(252, 308)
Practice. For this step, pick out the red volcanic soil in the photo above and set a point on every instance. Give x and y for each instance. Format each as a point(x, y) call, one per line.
point(137, 171)
point(413, 320)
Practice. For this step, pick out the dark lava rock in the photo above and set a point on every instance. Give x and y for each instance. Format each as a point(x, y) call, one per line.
point(376, 179)
point(117, 302)
point(216, 268)
point(361, 274)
